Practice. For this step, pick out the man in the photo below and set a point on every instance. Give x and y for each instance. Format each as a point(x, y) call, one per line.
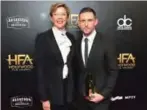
point(54, 50)
point(96, 55)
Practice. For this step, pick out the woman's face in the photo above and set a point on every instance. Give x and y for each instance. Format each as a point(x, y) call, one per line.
point(59, 18)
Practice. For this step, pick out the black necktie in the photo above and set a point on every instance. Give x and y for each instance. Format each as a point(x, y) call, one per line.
point(86, 50)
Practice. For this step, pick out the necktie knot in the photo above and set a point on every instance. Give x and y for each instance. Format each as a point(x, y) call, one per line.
point(86, 40)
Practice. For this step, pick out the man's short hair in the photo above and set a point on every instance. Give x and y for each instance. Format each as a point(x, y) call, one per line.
point(87, 9)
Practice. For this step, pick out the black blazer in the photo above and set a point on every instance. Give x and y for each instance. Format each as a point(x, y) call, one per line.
point(49, 65)
point(102, 63)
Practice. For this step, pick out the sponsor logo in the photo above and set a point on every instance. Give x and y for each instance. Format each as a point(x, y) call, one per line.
point(21, 101)
point(123, 98)
point(129, 97)
point(18, 22)
point(116, 98)
point(124, 23)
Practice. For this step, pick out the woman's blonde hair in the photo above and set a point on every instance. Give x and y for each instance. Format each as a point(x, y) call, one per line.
point(57, 5)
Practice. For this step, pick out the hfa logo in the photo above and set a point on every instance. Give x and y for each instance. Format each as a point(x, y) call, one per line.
point(126, 61)
point(20, 62)
point(18, 22)
point(73, 21)
point(124, 23)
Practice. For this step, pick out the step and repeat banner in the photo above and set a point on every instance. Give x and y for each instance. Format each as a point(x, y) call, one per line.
point(21, 21)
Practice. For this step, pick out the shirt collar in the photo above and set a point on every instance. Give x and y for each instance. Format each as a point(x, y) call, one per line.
point(90, 37)
point(59, 38)
point(59, 31)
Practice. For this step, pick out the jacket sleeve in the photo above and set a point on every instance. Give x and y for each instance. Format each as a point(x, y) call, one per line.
point(39, 65)
point(112, 68)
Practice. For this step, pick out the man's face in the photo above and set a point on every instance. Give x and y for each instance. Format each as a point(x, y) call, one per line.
point(59, 18)
point(87, 22)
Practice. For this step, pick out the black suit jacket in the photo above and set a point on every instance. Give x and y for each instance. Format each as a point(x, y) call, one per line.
point(102, 63)
point(49, 65)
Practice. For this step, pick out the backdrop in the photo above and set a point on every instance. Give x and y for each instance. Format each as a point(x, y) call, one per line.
point(23, 20)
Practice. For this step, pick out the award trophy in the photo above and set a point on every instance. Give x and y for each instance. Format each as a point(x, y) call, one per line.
point(89, 84)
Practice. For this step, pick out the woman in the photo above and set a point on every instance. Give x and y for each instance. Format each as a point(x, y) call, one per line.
point(54, 54)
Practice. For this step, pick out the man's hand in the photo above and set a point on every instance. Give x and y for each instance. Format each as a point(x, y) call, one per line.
point(95, 97)
point(46, 105)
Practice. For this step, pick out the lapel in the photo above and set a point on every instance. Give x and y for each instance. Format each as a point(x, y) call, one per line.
point(71, 47)
point(80, 51)
point(96, 48)
point(54, 46)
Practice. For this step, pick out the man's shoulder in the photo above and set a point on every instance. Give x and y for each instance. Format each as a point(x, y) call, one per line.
point(106, 37)
point(79, 35)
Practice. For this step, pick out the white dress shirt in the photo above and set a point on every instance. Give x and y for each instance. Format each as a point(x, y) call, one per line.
point(64, 45)
point(90, 42)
